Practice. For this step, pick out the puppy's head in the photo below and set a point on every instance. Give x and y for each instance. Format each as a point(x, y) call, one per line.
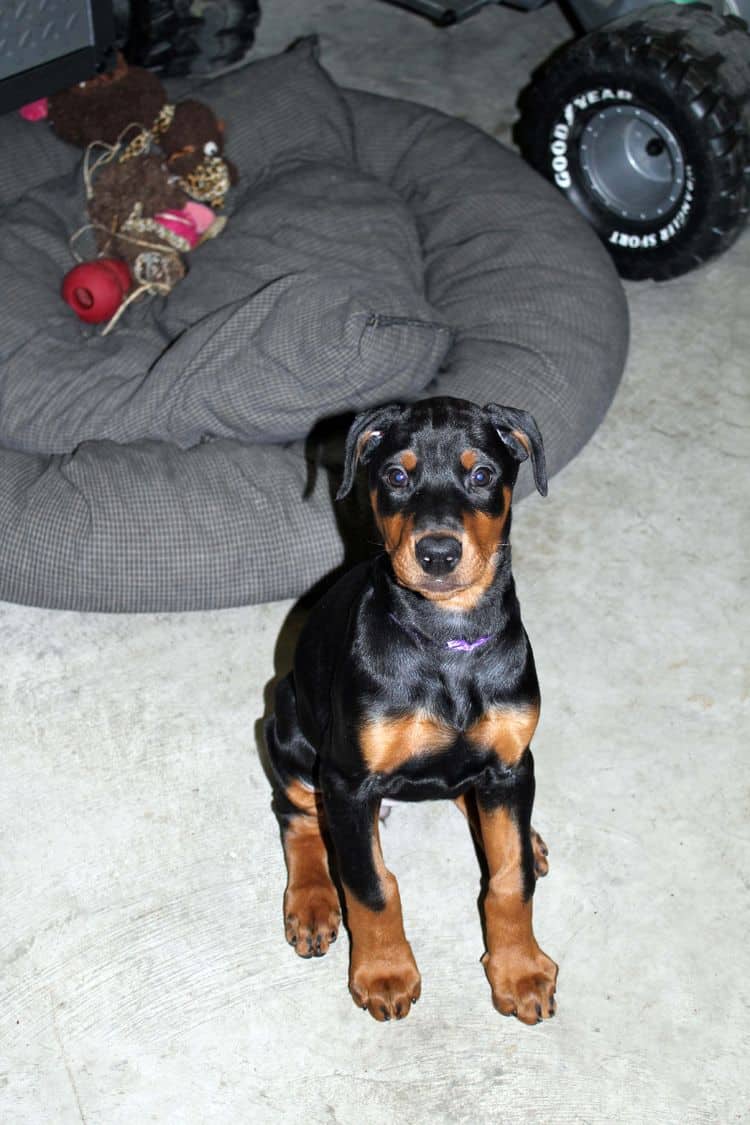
point(441, 475)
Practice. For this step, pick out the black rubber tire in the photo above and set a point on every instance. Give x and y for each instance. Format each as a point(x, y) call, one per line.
point(175, 38)
point(684, 69)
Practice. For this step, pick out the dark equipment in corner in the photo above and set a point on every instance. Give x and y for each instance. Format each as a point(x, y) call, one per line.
point(43, 52)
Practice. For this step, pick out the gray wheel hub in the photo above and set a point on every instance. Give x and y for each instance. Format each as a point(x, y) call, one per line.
point(632, 162)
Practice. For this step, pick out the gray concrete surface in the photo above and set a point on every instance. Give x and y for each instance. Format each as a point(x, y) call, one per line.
point(145, 977)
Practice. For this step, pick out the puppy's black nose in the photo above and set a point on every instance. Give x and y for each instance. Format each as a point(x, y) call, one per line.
point(438, 554)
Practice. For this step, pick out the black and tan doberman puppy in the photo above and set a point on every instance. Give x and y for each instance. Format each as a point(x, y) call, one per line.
point(414, 679)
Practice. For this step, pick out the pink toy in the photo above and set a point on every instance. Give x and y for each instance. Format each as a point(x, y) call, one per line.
point(95, 290)
point(201, 215)
point(35, 111)
point(179, 223)
point(191, 221)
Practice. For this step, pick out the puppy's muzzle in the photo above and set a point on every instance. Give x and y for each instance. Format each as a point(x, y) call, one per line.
point(438, 554)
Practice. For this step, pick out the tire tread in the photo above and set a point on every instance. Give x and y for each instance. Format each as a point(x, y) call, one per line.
point(704, 60)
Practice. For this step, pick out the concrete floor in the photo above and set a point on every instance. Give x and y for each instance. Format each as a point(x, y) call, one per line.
point(145, 977)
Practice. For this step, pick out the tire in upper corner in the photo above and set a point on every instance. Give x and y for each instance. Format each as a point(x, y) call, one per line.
point(644, 124)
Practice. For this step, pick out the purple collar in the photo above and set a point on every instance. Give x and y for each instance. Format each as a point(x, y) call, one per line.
point(457, 644)
point(460, 645)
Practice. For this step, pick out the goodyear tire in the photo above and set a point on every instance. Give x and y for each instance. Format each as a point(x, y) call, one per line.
point(645, 125)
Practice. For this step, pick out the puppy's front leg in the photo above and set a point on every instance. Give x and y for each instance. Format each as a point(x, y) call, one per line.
point(522, 977)
point(383, 975)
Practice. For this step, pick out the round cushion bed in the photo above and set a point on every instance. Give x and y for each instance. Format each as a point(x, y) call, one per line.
point(375, 250)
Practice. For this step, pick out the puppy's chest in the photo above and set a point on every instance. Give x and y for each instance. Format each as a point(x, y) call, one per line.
point(460, 731)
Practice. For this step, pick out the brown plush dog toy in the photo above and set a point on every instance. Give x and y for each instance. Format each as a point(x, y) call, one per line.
point(189, 134)
point(152, 192)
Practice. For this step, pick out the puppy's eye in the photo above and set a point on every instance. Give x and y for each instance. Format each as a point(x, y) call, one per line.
point(210, 148)
point(397, 477)
point(481, 476)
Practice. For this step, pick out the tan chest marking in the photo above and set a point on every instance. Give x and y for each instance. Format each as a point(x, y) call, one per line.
point(387, 743)
point(508, 731)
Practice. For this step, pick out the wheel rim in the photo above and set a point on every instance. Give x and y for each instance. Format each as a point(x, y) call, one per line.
point(632, 162)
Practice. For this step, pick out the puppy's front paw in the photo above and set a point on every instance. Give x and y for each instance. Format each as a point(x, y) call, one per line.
point(386, 986)
point(523, 983)
point(312, 915)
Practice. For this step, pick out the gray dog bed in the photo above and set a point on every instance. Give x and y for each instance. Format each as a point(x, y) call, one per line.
point(375, 251)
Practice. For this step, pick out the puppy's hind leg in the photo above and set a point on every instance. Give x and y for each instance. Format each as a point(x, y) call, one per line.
point(312, 910)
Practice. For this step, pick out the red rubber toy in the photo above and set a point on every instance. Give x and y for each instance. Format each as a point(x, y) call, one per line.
point(95, 290)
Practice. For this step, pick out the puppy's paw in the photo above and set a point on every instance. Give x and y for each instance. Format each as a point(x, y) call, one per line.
point(312, 915)
point(523, 983)
point(386, 987)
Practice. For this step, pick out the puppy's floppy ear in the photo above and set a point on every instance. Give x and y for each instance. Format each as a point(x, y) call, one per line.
point(365, 435)
point(520, 433)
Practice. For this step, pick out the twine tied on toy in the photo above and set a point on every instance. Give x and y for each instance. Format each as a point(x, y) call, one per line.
point(155, 271)
point(109, 153)
point(138, 146)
